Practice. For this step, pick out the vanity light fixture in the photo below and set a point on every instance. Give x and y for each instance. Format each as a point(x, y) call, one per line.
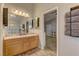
point(20, 13)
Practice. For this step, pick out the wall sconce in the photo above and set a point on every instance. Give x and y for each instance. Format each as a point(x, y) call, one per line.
point(37, 22)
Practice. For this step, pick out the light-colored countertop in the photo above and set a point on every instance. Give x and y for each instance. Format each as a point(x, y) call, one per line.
point(19, 36)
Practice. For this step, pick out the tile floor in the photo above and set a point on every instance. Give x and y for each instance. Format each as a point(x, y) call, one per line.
point(46, 52)
point(40, 52)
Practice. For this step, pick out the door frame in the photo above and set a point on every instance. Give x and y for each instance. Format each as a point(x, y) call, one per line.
point(52, 9)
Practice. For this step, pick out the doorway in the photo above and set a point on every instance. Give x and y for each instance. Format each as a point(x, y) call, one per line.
point(50, 28)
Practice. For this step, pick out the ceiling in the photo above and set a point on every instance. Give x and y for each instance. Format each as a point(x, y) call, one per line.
point(21, 5)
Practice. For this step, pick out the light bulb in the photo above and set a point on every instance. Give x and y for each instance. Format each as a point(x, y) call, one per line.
point(20, 13)
point(23, 14)
point(27, 15)
point(16, 11)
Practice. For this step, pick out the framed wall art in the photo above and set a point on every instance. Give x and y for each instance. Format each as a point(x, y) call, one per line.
point(72, 22)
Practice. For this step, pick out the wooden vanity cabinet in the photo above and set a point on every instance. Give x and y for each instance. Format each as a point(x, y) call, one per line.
point(19, 45)
point(13, 46)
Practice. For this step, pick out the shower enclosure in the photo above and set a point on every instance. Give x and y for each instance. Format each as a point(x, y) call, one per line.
point(50, 29)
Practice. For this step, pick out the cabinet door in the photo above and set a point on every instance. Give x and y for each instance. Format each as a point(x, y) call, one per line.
point(34, 42)
point(13, 47)
point(26, 44)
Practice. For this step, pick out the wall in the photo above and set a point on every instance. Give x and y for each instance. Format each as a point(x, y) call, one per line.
point(66, 45)
point(1, 31)
point(69, 45)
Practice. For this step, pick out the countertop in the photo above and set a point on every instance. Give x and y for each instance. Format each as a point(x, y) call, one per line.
point(19, 36)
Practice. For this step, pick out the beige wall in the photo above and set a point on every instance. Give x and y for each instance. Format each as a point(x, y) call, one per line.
point(1, 30)
point(66, 45)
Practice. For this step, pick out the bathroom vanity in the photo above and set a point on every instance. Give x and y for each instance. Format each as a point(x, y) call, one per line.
point(19, 44)
point(19, 34)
